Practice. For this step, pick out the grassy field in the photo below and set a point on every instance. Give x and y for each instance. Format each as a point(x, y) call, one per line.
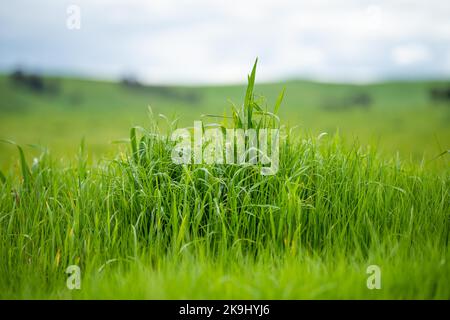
point(396, 116)
point(140, 226)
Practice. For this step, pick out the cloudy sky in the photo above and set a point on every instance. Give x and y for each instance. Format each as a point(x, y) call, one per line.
point(216, 41)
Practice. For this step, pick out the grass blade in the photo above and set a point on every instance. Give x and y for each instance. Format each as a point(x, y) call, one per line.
point(248, 102)
point(134, 144)
point(279, 100)
point(26, 173)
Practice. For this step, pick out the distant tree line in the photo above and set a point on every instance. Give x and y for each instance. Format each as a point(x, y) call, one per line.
point(441, 94)
point(168, 92)
point(33, 82)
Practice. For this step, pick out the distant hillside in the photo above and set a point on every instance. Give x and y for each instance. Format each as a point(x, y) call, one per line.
point(58, 112)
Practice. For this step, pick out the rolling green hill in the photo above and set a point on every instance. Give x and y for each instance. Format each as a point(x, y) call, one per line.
point(396, 116)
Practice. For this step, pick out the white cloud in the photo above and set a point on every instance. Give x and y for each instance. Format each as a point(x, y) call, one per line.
point(410, 54)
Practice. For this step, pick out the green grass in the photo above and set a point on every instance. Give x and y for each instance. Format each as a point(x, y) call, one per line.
point(400, 118)
point(140, 226)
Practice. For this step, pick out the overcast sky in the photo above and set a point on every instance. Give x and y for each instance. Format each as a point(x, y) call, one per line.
point(211, 41)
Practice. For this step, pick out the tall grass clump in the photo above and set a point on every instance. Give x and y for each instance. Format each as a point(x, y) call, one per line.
point(140, 226)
